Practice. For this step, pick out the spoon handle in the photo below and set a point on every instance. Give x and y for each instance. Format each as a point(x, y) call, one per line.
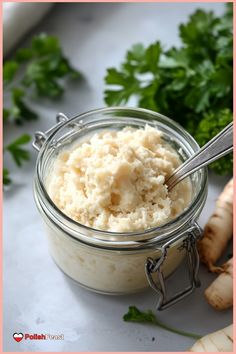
point(217, 147)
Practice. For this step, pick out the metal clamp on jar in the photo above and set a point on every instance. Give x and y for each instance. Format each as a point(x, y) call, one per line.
point(114, 262)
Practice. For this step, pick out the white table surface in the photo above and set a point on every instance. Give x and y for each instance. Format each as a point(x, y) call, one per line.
point(38, 298)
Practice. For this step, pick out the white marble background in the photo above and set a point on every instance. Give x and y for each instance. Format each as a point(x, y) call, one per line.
point(38, 298)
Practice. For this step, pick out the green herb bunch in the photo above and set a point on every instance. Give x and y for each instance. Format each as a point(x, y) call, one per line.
point(38, 71)
point(191, 84)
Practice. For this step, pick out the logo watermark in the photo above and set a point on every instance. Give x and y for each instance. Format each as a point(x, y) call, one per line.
point(18, 337)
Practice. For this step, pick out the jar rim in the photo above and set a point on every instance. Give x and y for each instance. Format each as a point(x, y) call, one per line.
point(73, 228)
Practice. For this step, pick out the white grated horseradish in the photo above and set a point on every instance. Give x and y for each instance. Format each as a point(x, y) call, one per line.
point(115, 181)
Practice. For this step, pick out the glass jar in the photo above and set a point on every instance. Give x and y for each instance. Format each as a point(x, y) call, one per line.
point(111, 262)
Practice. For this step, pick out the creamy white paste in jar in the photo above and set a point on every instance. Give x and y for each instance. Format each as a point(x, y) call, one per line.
point(115, 181)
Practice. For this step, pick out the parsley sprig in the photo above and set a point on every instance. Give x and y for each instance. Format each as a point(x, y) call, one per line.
point(135, 315)
point(192, 84)
point(40, 71)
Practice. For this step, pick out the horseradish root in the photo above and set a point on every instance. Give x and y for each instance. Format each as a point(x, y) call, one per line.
point(218, 230)
point(220, 293)
point(220, 341)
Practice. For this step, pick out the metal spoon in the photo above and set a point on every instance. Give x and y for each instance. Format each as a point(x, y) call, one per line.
point(217, 147)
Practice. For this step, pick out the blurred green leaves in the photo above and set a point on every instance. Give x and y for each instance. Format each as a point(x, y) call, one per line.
point(37, 71)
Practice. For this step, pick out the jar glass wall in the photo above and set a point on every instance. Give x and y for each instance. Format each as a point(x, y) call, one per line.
point(103, 261)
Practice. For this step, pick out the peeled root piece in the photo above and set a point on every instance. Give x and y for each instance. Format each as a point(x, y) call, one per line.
point(220, 293)
point(220, 341)
point(218, 230)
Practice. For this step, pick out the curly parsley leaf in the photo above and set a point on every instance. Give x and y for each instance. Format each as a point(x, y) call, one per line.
point(9, 70)
point(47, 66)
point(210, 125)
point(6, 114)
point(6, 177)
point(23, 55)
point(19, 110)
point(135, 315)
point(18, 153)
point(190, 84)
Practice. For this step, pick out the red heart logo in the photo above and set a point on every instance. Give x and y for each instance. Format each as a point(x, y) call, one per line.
point(18, 336)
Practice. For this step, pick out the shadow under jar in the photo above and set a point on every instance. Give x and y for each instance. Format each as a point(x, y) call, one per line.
point(110, 262)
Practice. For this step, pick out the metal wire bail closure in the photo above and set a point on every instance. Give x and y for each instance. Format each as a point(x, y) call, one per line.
point(155, 266)
point(40, 137)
